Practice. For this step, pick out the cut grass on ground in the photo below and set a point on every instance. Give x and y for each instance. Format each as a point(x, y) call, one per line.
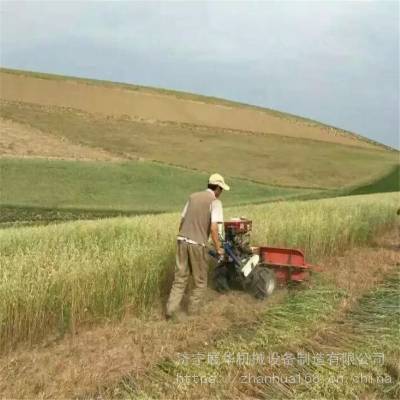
point(287, 357)
point(268, 158)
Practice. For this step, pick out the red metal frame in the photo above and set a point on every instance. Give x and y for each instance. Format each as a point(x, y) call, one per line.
point(288, 264)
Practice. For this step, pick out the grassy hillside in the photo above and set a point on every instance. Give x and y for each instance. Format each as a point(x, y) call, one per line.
point(146, 133)
point(60, 276)
point(101, 188)
point(271, 159)
point(389, 182)
point(111, 121)
point(150, 90)
point(163, 105)
point(39, 191)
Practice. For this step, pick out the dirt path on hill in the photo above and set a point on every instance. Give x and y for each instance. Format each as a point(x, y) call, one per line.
point(100, 357)
point(18, 140)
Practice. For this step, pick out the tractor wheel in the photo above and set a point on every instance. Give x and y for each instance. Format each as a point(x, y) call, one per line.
point(263, 282)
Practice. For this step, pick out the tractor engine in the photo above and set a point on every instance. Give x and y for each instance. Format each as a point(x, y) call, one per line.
point(237, 232)
point(239, 268)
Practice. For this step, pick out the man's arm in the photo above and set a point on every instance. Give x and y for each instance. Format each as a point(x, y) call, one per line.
point(215, 238)
point(217, 217)
point(183, 215)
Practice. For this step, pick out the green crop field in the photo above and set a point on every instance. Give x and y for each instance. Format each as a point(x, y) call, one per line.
point(59, 276)
point(78, 189)
point(40, 191)
point(389, 182)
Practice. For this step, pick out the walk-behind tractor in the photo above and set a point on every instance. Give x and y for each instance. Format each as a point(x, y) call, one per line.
point(255, 269)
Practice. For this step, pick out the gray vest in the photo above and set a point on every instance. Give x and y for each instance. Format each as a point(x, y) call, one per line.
point(197, 222)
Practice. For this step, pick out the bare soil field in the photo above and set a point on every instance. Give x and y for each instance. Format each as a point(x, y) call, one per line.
point(149, 105)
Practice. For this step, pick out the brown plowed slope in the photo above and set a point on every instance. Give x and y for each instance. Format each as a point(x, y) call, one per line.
point(19, 140)
point(150, 105)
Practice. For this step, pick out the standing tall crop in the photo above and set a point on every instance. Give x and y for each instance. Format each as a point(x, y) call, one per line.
point(57, 277)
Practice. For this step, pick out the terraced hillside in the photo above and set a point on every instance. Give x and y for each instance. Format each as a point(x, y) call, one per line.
point(195, 132)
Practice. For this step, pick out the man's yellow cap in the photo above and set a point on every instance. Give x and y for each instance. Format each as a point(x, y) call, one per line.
point(217, 179)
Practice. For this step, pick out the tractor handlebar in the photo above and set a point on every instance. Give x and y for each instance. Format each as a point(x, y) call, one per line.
point(228, 250)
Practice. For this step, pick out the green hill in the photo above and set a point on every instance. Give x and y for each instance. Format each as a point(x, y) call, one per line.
point(43, 190)
point(144, 149)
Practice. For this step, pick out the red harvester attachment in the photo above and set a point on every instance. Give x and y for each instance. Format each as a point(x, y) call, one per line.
point(256, 269)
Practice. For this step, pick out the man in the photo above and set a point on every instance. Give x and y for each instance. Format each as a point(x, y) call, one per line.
point(200, 217)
